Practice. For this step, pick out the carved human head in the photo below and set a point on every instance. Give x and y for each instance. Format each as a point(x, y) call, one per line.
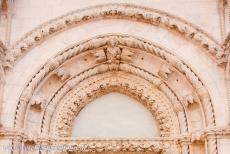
point(112, 42)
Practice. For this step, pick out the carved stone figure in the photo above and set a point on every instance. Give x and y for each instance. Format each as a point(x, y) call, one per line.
point(113, 54)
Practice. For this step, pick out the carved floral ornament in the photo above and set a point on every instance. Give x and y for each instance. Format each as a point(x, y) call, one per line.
point(118, 11)
point(102, 69)
point(124, 41)
point(98, 85)
point(116, 53)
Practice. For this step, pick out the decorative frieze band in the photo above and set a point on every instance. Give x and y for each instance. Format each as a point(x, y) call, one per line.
point(216, 132)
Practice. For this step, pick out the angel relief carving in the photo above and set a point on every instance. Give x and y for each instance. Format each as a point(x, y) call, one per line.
point(113, 54)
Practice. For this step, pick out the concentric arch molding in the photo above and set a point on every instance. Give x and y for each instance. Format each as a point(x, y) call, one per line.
point(174, 102)
point(100, 84)
point(130, 42)
point(118, 11)
point(123, 41)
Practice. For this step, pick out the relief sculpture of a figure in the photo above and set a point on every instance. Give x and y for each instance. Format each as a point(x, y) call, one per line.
point(113, 54)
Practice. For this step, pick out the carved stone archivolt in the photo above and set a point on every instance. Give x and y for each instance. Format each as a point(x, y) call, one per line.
point(118, 54)
point(167, 86)
point(99, 85)
point(134, 43)
point(104, 68)
point(118, 11)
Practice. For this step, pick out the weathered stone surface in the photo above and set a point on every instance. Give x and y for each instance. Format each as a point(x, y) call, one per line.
point(177, 69)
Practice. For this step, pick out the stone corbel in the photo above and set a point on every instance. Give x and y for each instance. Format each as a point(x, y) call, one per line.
point(165, 70)
point(189, 99)
point(38, 102)
point(63, 74)
point(126, 55)
point(100, 56)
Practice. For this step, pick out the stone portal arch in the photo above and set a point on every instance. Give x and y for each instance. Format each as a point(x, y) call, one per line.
point(117, 54)
point(170, 66)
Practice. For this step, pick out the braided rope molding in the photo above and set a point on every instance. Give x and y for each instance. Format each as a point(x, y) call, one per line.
point(176, 103)
point(52, 104)
point(125, 41)
point(98, 85)
point(62, 91)
point(142, 97)
point(118, 11)
point(163, 86)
